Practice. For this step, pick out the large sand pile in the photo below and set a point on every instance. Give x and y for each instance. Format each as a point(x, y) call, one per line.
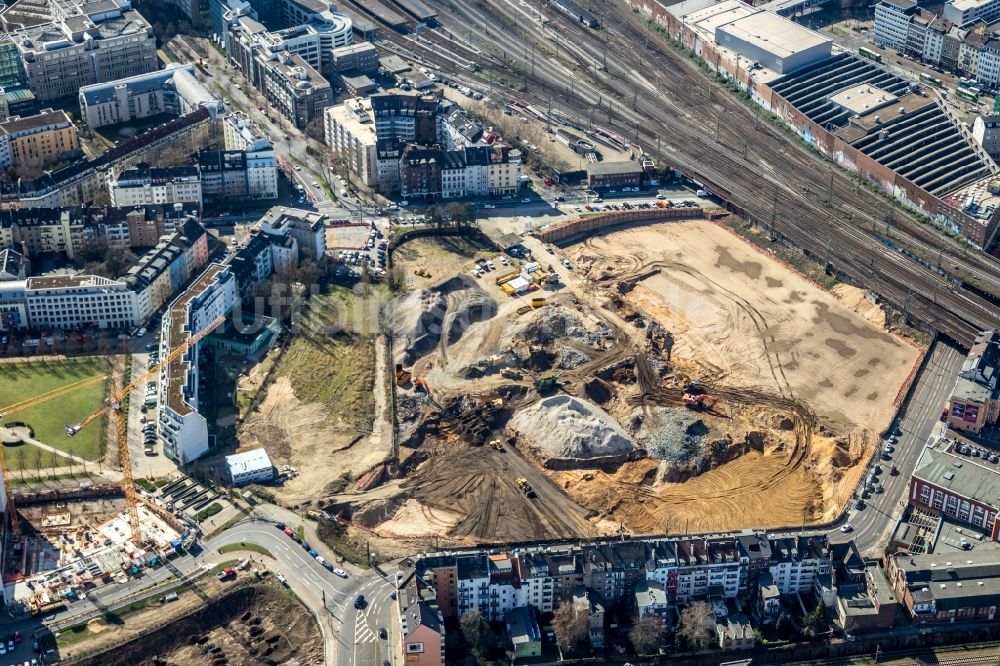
point(563, 426)
point(421, 317)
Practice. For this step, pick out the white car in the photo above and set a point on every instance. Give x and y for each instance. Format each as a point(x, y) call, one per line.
point(319, 558)
point(340, 572)
point(281, 577)
point(565, 262)
point(315, 184)
point(846, 527)
point(298, 168)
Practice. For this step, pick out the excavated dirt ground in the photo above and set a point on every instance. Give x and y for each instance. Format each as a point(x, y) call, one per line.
point(240, 625)
point(804, 377)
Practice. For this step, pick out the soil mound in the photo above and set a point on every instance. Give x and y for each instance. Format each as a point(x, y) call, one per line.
point(421, 317)
point(568, 427)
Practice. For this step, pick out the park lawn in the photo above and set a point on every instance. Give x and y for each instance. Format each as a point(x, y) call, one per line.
point(25, 380)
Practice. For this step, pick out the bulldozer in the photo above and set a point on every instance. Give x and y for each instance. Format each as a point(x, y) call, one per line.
point(525, 487)
point(496, 444)
point(547, 384)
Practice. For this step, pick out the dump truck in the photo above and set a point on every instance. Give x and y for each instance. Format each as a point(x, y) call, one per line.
point(525, 487)
point(537, 301)
point(227, 573)
point(403, 377)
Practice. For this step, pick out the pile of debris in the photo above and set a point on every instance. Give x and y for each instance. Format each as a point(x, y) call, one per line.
point(421, 317)
point(680, 439)
point(563, 426)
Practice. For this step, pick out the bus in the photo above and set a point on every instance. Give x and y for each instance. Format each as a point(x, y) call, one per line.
point(966, 94)
point(930, 80)
point(869, 54)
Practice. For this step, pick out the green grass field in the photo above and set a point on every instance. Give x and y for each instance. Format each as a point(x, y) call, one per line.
point(22, 381)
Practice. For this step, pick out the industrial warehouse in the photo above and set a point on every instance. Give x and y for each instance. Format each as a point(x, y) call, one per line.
point(893, 133)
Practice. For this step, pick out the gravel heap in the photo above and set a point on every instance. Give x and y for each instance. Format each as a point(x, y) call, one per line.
point(420, 317)
point(675, 435)
point(564, 426)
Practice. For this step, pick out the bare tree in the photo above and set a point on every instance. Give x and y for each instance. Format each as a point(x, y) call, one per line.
point(38, 462)
point(53, 459)
point(571, 627)
point(647, 634)
point(20, 462)
point(696, 626)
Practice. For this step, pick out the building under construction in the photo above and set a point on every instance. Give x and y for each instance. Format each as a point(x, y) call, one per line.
point(76, 541)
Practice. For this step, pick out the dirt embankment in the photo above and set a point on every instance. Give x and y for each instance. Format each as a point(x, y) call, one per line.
point(249, 625)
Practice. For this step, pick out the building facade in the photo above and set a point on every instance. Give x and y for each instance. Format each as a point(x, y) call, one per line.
point(86, 43)
point(174, 90)
point(144, 185)
point(957, 486)
point(38, 140)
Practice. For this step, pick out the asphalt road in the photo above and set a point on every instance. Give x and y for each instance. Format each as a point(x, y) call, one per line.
point(872, 524)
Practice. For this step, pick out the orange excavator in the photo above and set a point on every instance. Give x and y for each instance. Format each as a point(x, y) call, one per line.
point(696, 398)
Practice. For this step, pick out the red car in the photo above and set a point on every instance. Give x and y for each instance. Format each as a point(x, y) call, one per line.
point(894, 471)
point(289, 532)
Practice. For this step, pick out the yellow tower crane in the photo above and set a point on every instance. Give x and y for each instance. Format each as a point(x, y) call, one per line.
point(114, 403)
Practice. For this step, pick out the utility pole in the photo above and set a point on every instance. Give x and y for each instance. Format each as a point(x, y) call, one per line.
point(829, 194)
point(888, 222)
point(774, 208)
point(717, 128)
point(635, 100)
point(906, 305)
point(826, 258)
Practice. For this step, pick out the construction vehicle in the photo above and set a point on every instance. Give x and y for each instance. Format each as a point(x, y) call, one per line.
point(510, 373)
point(419, 384)
point(496, 444)
point(422, 272)
point(507, 277)
point(537, 301)
point(525, 487)
point(524, 308)
point(402, 376)
point(546, 384)
point(496, 403)
point(700, 401)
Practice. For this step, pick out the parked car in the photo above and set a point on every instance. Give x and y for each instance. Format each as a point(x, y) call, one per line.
point(340, 572)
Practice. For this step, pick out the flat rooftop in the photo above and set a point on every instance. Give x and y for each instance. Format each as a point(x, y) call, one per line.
point(178, 334)
point(959, 474)
point(862, 98)
point(774, 33)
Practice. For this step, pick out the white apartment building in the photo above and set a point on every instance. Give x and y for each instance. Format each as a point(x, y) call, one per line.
point(88, 42)
point(793, 570)
point(964, 12)
point(986, 132)
point(988, 62)
point(66, 302)
point(306, 227)
point(181, 427)
point(892, 23)
point(350, 133)
point(141, 185)
point(249, 467)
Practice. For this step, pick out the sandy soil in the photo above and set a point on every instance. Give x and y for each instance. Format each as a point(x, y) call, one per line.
point(295, 433)
point(742, 318)
point(439, 257)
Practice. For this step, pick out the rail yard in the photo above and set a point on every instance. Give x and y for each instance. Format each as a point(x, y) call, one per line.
point(675, 112)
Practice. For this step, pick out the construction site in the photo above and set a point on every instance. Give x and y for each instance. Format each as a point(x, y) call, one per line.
point(72, 532)
point(668, 377)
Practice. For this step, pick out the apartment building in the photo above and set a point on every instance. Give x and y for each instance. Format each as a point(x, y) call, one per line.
point(796, 561)
point(975, 401)
point(174, 90)
point(182, 429)
point(78, 183)
point(307, 228)
point(72, 230)
point(13, 265)
point(165, 269)
point(892, 23)
point(238, 174)
point(435, 173)
point(67, 302)
point(986, 132)
point(89, 41)
point(966, 12)
point(39, 140)
point(349, 130)
point(143, 184)
point(960, 487)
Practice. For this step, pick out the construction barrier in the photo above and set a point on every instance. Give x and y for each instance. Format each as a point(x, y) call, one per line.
point(571, 230)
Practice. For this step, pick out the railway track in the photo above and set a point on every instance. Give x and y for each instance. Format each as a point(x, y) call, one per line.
point(680, 108)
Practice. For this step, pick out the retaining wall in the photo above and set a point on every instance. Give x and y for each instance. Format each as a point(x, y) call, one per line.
point(567, 232)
